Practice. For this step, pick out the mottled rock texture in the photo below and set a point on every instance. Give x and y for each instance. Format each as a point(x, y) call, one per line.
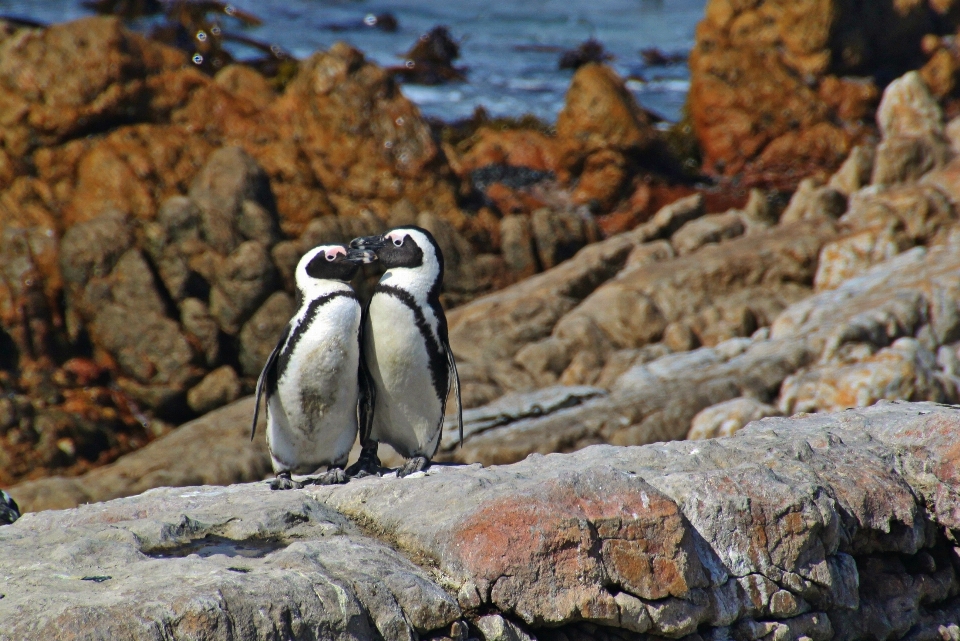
point(788, 86)
point(833, 526)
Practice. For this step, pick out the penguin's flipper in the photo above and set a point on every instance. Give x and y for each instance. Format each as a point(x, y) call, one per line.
point(268, 377)
point(452, 364)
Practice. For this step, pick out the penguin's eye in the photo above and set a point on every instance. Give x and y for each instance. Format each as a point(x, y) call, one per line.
point(398, 241)
point(331, 257)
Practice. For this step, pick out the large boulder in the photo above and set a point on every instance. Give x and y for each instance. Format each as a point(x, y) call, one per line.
point(833, 526)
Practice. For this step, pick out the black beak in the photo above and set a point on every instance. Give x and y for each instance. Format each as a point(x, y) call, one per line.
point(361, 255)
point(373, 243)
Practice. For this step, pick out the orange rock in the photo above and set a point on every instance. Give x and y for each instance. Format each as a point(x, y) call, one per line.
point(600, 114)
point(512, 201)
point(516, 147)
point(765, 72)
point(602, 181)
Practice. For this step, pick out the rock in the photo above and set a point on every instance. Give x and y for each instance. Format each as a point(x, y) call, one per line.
point(603, 541)
point(243, 281)
point(219, 387)
point(727, 418)
point(901, 159)
point(45, 104)
point(907, 109)
point(812, 201)
point(764, 78)
point(214, 449)
point(494, 627)
point(513, 147)
point(516, 244)
point(600, 115)
point(880, 223)
point(512, 408)
point(233, 195)
point(199, 325)
point(708, 229)
point(558, 235)
point(903, 371)
point(855, 172)
point(914, 295)
point(260, 334)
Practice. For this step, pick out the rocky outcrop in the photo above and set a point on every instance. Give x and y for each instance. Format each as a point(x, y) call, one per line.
point(788, 87)
point(710, 282)
point(833, 526)
point(212, 450)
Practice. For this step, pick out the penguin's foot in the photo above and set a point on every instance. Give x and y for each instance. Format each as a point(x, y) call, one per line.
point(367, 465)
point(333, 476)
point(284, 482)
point(415, 464)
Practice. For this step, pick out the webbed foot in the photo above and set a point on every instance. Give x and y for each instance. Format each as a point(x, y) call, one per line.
point(333, 476)
point(412, 465)
point(367, 465)
point(284, 482)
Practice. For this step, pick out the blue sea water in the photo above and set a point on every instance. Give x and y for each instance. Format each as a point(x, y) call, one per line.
point(505, 74)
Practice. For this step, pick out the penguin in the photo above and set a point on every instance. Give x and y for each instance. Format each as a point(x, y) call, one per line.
point(9, 510)
point(407, 363)
point(311, 379)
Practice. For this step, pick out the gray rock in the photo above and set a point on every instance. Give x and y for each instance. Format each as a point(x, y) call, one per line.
point(812, 201)
point(91, 249)
point(260, 334)
point(787, 530)
point(707, 229)
point(229, 179)
point(197, 321)
point(516, 245)
point(557, 234)
point(900, 159)
point(494, 627)
point(214, 449)
point(219, 387)
point(725, 419)
point(855, 172)
point(244, 280)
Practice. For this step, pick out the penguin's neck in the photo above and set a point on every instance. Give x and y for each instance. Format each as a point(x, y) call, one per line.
point(421, 282)
point(315, 289)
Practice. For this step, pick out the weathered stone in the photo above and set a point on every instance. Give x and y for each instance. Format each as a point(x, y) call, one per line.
point(229, 180)
point(219, 387)
point(708, 229)
point(900, 159)
point(725, 419)
point(558, 235)
point(908, 109)
point(214, 449)
point(516, 244)
point(198, 323)
point(243, 281)
point(903, 371)
point(494, 627)
point(811, 201)
point(260, 334)
point(715, 536)
point(855, 172)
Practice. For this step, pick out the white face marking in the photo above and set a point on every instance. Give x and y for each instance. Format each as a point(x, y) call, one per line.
point(396, 237)
point(332, 252)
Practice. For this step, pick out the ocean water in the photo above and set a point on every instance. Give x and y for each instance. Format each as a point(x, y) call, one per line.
point(503, 44)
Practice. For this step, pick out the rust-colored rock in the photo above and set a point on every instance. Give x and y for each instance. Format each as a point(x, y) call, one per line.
point(779, 86)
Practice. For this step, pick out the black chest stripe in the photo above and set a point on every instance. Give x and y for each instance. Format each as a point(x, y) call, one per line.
point(287, 351)
point(439, 373)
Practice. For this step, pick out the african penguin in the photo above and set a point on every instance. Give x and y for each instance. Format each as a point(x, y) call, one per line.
point(311, 378)
point(407, 361)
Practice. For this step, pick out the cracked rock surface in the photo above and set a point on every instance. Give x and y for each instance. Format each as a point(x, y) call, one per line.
point(827, 526)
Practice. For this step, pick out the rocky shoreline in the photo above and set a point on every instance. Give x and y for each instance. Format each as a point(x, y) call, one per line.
point(831, 526)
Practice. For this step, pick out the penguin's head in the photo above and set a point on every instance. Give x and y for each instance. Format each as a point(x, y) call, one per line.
point(327, 262)
point(403, 247)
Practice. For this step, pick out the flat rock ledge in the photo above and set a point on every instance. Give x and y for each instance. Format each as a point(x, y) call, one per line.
point(816, 527)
